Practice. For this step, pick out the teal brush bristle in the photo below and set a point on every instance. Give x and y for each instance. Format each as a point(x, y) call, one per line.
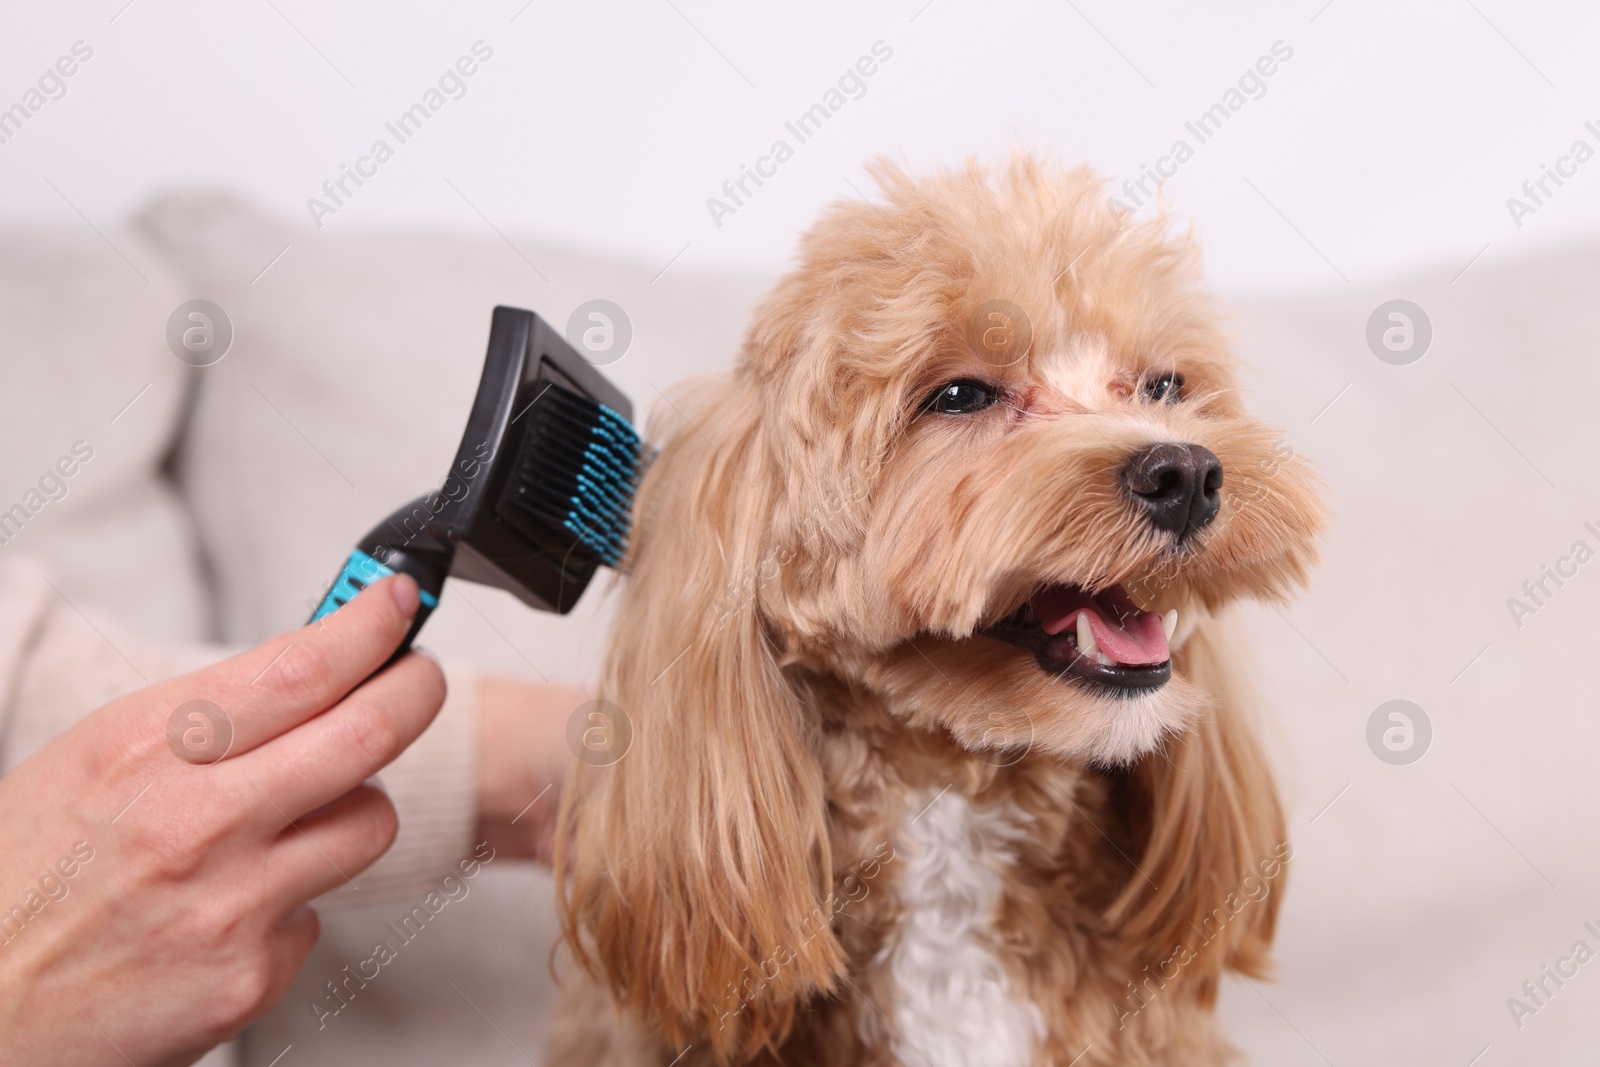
point(581, 464)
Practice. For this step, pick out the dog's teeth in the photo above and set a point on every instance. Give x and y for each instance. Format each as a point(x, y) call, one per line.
point(1086, 645)
point(1105, 660)
point(1169, 623)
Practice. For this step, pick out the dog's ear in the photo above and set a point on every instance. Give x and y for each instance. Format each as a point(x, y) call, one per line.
point(1210, 831)
point(696, 865)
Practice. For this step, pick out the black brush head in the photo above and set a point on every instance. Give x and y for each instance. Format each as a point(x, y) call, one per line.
point(576, 471)
point(541, 492)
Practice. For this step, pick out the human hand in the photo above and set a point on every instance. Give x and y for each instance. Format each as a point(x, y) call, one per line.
point(152, 904)
point(524, 761)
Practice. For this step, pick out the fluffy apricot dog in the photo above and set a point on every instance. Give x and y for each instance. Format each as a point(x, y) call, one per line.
point(938, 750)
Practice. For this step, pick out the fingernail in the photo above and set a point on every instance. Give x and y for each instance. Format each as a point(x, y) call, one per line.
point(427, 653)
point(404, 588)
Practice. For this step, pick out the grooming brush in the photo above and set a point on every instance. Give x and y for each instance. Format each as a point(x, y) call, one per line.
point(541, 491)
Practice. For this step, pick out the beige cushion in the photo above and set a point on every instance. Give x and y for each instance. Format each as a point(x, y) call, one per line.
point(1411, 917)
point(356, 361)
point(82, 334)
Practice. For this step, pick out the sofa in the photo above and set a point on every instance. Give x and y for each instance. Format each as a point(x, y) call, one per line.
point(1423, 895)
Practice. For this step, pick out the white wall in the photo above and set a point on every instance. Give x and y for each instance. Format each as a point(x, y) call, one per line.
point(1391, 138)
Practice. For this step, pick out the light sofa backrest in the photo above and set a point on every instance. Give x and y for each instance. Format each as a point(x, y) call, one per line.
point(90, 402)
point(355, 360)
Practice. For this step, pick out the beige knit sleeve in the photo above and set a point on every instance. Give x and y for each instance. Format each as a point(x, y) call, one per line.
point(59, 660)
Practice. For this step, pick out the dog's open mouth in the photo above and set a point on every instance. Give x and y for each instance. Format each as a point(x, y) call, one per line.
point(1102, 639)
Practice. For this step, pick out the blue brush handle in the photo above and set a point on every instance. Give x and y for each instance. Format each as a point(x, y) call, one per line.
point(360, 571)
point(426, 557)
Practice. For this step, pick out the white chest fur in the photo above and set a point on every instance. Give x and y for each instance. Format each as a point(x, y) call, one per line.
point(953, 1003)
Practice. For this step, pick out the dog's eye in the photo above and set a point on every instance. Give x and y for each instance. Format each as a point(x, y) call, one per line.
point(964, 397)
point(1164, 387)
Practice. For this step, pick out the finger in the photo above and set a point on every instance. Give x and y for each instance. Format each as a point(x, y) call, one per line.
point(293, 677)
point(259, 977)
point(288, 949)
point(321, 760)
point(332, 846)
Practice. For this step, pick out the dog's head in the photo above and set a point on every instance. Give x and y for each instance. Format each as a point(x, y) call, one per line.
point(1007, 456)
point(984, 456)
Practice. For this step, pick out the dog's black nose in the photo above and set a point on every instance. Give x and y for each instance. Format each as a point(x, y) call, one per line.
point(1176, 485)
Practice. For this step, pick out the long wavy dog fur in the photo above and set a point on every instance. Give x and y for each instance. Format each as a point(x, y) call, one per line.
point(853, 826)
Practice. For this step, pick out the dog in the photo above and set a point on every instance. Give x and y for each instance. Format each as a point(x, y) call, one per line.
point(940, 752)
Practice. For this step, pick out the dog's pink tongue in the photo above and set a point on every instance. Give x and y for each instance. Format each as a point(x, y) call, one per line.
point(1137, 641)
